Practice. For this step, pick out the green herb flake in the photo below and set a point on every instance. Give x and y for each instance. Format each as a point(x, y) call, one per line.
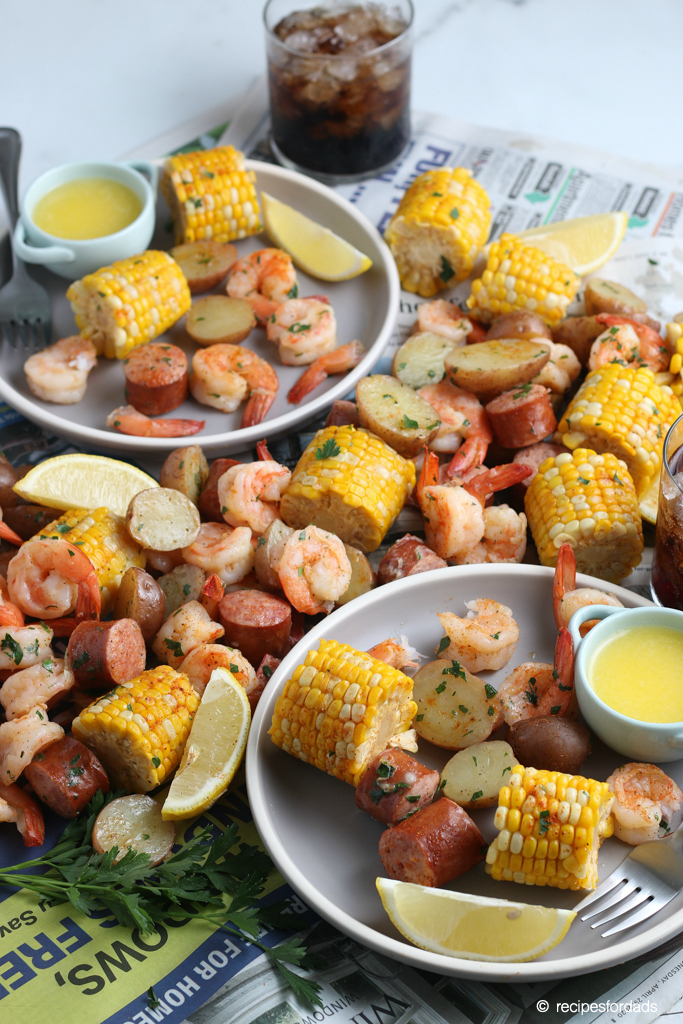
point(328, 451)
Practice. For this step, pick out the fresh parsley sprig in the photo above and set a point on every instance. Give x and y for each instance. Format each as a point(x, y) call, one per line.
point(192, 883)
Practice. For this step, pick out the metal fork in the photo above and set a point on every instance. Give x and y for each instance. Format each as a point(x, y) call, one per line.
point(645, 882)
point(25, 315)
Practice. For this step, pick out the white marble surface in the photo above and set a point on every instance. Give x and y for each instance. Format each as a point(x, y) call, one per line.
point(97, 78)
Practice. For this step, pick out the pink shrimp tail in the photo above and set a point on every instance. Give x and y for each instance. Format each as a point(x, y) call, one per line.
point(343, 358)
point(262, 451)
point(319, 298)
point(211, 594)
point(9, 535)
point(257, 407)
point(63, 627)
point(263, 307)
point(564, 580)
point(176, 428)
point(470, 454)
point(497, 479)
point(564, 667)
point(31, 823)
point(429, 474)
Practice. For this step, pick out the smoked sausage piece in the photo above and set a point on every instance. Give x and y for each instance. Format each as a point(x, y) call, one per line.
point(28, 520)
point(156, 378)
point(521, 416)
point(534, 455)
point(394, 785)
point(406, 557)
point(106, 654)
point(256, 623)
point(209, 506)
point(66, 776)
point(433, 846)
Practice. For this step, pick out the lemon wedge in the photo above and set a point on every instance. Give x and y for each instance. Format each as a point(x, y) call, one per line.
point(472, 927)
point(315, 249)
point(83, 481)
point(649, 501)
point(584, 243)
point(214, 748)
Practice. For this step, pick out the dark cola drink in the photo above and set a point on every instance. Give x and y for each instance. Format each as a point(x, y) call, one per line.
point(666, 581)
point(339, 79)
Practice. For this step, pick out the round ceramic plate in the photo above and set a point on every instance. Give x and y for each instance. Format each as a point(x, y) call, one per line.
point(327, 849)
point(366, 308)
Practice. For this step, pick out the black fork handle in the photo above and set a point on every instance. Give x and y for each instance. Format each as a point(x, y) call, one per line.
point(10, 152)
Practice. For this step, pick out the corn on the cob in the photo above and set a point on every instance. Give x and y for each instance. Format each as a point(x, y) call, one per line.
point(348, 482)
point(589, 501)
point(519, 276)
point(341, 708)
point(440, 225)
point(131, 302)
point(620, 409)
point(674, 332)
point(139, 729)
point(550, 827)
point(102, 536)
point(211, 195)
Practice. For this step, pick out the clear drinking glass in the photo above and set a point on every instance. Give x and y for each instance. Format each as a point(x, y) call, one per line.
point(666, 580)
point(339, 78)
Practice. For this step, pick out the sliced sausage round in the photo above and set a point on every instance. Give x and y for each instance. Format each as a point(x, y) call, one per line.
point(156, 378)
point(521, 416)
point(106, 654)
point(66, 776)
point(209, 506)
point(433, 846)
point(406, 557)
point(394, 785)
point(534, 454)
point(256, 623)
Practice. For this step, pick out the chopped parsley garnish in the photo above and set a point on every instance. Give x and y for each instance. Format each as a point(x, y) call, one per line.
point(175, 647)
point(82, 658)
point(478, 795)
point(444, 642)
point(456, 669)
point(463, 709)
point(385, 770)
point(490, 691)
point(447, 271)
point(328, 450)
point(441, 687)
point(410, 424)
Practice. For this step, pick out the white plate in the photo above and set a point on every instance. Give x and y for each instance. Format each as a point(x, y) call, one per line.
point(366, 308)
point(327, 849)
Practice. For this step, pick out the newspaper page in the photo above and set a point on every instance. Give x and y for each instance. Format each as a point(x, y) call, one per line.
point(54, 956)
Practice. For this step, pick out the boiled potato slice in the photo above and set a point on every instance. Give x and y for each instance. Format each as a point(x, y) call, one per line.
point(185, 470)
point(396, 414)
point(141, 598)
point(163, 519)
point(609, 297)
point(180, 585)
point(521, 323)
point(220, 320)
point(420, 360)
point(491, 367)
point(455, 709)
point(362, 576)
point(204, 263)
point(134, 823)
point(473, 777)
point(579, 333)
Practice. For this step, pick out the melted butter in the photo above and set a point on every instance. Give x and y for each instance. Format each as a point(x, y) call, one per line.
point(87, 208)
point(639, 673)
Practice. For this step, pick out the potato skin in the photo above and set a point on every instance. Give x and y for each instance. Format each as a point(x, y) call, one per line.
point(520, 324)
point(396, 414)
point(550, 742)
point(209, 506)
point(185, 470)
point(141, 598)
point(604, 296)
point(8, 478)
point(362, 576)
point(579, 333)
point(491, 367)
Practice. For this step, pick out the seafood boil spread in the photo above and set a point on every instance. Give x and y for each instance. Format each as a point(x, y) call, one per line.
point(141, 620)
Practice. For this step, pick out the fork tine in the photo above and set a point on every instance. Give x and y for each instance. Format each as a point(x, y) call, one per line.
point(653, 907)
point(602, 890)
point(640, 896)
point(617, 896)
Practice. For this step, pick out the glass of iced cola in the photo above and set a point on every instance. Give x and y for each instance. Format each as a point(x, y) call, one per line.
point(339, 78)
point(666, 581)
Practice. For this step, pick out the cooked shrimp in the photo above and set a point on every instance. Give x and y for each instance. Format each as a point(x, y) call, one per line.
point(184, 630)
point(21, 646)
point(203, 659)
point(304, 330)
point(265, 279)
point(339, 361)
point(224, 375)
point(249, 495)
point(444, 318)
point(397, 652)
point(127, 420)
point(223, 550)
point(39, 684)
point(485, 639)
point(535, 688)
point(52, 578)
point(567, 599)
point(462, 416)
point(627, 341)
point(645, 802)
point(6, 533)
point(59, 373)
point(504, 538)
point(213, 592)
point(10, 615)
point(561, 370)
point(314, 570)
point(17, 806)
point(23, 738)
